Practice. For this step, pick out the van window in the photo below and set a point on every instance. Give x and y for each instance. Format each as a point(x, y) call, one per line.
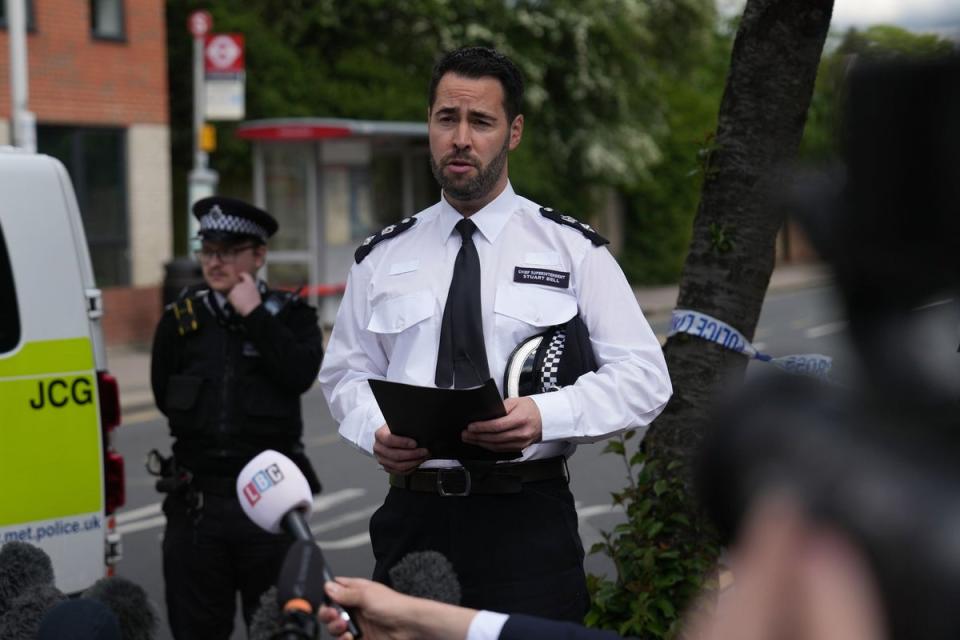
point(9, 312)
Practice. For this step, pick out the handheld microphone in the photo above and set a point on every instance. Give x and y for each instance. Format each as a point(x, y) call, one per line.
point(426, 574)
point(276, 496)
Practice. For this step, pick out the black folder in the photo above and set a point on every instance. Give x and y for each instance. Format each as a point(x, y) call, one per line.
point(436, 417)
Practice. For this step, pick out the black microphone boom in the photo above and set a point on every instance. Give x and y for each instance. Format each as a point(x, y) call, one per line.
point(307, 558)
point(296, 525)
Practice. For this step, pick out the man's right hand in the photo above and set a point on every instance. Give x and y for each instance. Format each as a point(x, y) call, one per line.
point(396, 453)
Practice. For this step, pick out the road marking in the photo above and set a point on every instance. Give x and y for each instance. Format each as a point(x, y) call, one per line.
point(598, 510)
point(147, 517)
point(139, 417)
point(934, 304)
point(345, 543)
point(327, 501)
point(141, 525)
point(320, 441)
point(347, 518)
point(825, 329)
point(135, 514)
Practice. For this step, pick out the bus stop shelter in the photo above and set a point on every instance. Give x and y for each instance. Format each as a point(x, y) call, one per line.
point(330, 183)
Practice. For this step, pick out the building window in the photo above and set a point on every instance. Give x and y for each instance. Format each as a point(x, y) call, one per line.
point(31, 16)
point(97, 163)
point(10, 318)
point(106, 19)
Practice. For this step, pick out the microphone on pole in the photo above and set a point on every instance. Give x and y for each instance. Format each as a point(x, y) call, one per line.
point(27, 591)
point(130, 605)
point(276, 496)
point(426, 574)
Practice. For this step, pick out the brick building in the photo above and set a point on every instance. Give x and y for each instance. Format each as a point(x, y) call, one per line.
point(98, 88)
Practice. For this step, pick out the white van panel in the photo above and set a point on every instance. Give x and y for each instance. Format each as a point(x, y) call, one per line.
point(41, 240)
point(48, 383)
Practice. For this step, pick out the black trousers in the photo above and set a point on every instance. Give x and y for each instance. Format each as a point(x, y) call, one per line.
point(207, 560)
point(514, 553)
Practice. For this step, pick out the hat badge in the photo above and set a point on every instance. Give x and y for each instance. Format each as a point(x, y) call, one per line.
point(216, 212)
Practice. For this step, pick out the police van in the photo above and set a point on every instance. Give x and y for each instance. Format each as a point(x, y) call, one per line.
point(58, 405)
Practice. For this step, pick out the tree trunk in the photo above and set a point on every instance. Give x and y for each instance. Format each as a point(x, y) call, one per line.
point(772, 71)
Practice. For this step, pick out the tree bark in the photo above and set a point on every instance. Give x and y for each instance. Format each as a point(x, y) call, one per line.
point(773, 67)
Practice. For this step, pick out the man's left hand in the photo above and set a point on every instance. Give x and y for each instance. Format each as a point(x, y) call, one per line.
point(245, 296)
point(521, 427)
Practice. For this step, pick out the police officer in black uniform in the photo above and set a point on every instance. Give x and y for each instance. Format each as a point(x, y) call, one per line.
point(230, 361)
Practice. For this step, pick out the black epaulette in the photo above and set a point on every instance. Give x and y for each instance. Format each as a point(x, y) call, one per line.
point(184, 308)
point(276, 301)
point(570, 221)
point(183, 311)
point(385, 234)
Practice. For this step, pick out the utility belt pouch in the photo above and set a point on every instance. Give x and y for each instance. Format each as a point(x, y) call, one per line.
point(171, 478)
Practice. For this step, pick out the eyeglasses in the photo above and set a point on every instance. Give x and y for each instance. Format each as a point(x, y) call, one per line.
point(225, 255)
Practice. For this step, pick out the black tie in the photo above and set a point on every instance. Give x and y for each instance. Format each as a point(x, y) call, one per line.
point(462, 357)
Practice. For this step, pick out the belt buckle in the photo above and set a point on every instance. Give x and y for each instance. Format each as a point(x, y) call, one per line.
point(466, 481)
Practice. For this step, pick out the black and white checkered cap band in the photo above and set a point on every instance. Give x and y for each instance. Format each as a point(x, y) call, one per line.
point(217, 220)
point(551, 362)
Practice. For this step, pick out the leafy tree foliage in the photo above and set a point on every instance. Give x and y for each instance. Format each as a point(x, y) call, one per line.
point(660, 204)
point(597, 109)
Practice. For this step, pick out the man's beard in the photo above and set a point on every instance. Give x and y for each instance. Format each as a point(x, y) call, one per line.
point(476, 187)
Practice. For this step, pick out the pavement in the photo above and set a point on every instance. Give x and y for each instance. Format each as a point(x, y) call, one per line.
point(131, 364)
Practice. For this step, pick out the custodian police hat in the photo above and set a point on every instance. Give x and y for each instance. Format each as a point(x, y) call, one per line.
point(549, 360)
point(225, 219)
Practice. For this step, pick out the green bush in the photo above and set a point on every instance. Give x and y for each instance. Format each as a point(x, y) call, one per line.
point(659, 553)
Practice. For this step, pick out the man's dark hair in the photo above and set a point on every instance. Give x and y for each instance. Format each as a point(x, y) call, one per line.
point(481, 62)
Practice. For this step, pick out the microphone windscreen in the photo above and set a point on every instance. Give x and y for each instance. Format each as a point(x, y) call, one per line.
point(129, 603)
point(81, 619)
point(265, 623)
point(302, 576)
point(426, 574)
point(22, 565)
point(270, 486)
point(22, 619)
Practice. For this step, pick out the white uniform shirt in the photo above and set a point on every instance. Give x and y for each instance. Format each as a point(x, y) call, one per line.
point(388, 325)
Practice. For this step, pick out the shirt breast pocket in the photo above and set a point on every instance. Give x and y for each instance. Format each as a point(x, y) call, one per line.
point(521, 309)
point(404, 325)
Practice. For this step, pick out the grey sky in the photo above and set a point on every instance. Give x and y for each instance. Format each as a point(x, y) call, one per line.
point(918, 15)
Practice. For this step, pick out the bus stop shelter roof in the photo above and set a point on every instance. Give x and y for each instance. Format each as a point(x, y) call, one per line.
point(300, 129)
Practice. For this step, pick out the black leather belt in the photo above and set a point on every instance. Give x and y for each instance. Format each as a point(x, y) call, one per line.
point(497, 479)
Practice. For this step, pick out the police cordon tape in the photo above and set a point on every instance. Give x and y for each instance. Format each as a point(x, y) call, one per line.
point(709, 328)
point(319, 290)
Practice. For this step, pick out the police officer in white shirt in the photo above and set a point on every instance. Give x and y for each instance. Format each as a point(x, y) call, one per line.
point(443, 298)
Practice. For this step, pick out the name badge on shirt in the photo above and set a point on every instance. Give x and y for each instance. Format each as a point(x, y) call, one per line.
point(547, 277)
